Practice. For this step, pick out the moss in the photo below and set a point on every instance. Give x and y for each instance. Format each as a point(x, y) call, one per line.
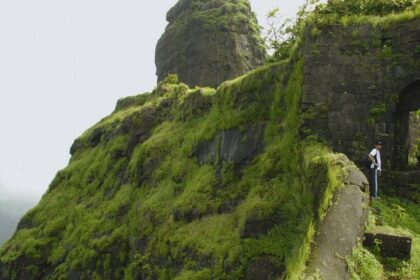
point(332, 14)
point(107, 200)
point(212, 15)
point(131, 101)
point(355, 34)
point(315, 32)
point(153, 211)
point(376, 113)
point(204, 274)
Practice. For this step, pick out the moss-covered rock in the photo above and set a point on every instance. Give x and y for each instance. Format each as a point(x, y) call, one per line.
point(136, 201)
point(184, 183)
point(208, 42)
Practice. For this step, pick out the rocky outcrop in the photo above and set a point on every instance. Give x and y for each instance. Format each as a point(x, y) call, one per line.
point(232, 146)
point(115, 191)
point(343, 225)
point(208, 42)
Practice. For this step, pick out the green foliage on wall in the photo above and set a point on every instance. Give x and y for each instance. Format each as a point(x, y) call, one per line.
point(376, 113)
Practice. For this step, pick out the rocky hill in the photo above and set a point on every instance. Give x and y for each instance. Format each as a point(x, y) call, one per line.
point(209, 42)
point(192, 182)
point(177, 183)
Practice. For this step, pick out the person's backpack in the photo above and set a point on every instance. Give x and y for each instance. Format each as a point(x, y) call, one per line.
point(368, 162)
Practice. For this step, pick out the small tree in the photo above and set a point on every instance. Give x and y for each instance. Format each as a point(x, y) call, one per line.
point(282, 33)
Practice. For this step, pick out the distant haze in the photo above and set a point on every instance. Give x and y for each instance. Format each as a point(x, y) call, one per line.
point(63, 66)
point(11, 211)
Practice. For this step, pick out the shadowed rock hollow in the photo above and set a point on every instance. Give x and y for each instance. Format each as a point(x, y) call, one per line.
point(208, 42)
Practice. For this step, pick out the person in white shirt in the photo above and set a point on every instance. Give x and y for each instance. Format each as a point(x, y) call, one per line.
point(375, 168)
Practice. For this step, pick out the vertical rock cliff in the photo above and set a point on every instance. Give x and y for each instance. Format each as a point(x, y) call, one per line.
point(208, 42)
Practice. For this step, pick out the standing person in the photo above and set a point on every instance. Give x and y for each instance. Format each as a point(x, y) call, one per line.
point(375, 168)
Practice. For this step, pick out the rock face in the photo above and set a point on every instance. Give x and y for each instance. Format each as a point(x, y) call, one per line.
point(233, 146)
point(208, 42)
point(344, 223)
point(168, 173)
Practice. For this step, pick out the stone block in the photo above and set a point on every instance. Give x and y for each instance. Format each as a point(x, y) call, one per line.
point(391, 245)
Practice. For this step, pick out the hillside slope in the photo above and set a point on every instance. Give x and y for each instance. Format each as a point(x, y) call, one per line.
point(181, 183)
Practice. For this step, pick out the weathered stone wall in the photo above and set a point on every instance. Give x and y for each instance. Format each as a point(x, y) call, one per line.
point(209, 42)
point(360, 82)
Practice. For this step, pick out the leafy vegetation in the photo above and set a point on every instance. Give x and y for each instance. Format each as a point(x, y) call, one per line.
point(284, 34)
point(399, 216)
point(376, 113)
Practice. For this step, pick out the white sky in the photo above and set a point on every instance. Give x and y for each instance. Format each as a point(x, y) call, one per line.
point(63, 66)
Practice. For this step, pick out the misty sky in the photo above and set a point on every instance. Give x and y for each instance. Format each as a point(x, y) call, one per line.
point(63, 66)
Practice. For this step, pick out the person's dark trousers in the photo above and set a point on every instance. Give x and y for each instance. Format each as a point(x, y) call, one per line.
point(373, 176)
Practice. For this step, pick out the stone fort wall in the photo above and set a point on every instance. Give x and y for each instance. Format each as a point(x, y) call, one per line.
point(360, 82)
